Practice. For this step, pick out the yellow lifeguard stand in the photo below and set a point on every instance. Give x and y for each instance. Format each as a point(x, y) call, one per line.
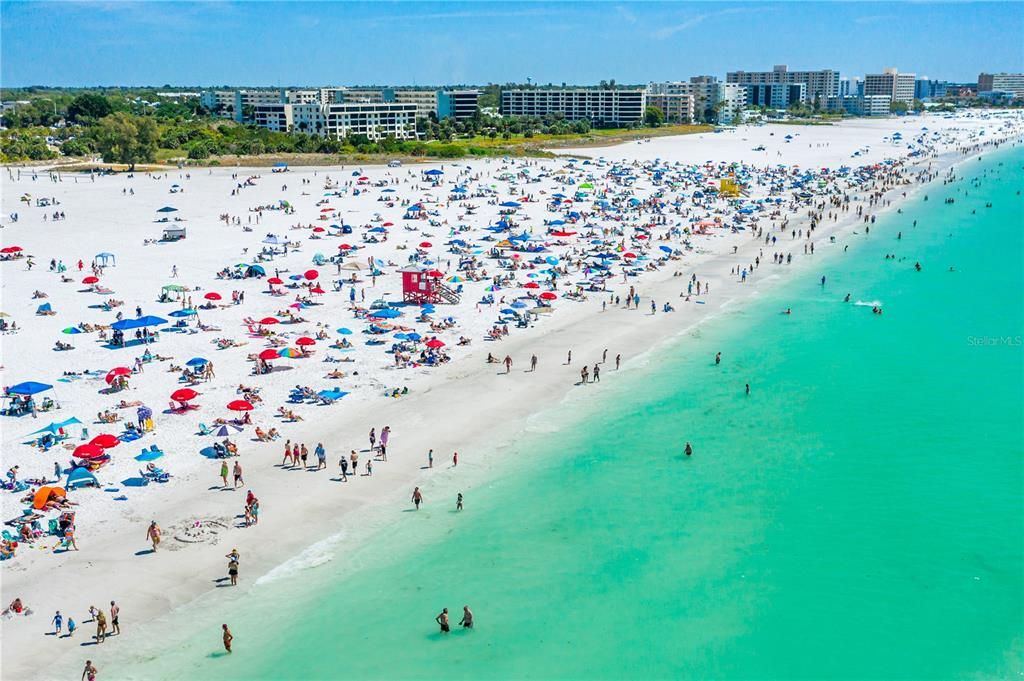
point(728, 187)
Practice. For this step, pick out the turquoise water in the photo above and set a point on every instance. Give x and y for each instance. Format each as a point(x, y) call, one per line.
point(859, 515)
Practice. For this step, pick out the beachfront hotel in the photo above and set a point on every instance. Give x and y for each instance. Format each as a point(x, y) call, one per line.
point(339, 120)
point(1012, 83)
point(898, 86)
point(706, 94)
point(774, 96)
point(600, 106)
point(820, 85)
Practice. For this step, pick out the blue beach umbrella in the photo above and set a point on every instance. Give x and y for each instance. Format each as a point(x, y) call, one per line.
point(197, 362)
point(345, 331)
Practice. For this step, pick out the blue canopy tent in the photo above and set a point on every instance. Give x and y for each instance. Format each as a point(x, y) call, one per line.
point(137, 323)
point(29, 388)
point(167, 209)
point(434, 172)
point(105, 259)
point(81, 477)
point(44, 308)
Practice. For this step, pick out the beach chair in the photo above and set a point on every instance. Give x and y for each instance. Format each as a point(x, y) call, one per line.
point(204, 430)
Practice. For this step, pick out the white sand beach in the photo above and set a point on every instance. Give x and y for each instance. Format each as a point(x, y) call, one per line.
point(635, 215)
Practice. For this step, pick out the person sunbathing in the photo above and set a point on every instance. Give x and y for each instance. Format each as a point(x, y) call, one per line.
point(260, 435)
point(336, 374)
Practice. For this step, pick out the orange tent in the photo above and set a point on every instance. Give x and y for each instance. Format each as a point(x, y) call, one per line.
point(43, 495)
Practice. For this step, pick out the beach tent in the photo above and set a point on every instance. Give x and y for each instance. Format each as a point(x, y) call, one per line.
point(105, 259)
point(44, 494)
point(138, 323)
point(81, 477)
point(55, 427)
point(28, 388)
point(44, 308)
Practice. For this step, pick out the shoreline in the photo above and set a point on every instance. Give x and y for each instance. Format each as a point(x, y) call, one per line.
point(173, 587)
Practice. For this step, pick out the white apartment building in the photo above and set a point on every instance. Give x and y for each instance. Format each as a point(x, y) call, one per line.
point(600, 107)
point(424, 100)
point(678, 108)
point(376, 121)
point(1001, 82)
point(898, 86)
point(707, 94)
point(860, 105)
point(820, 84)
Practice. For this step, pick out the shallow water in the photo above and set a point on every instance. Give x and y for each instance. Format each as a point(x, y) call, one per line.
point(858, 515)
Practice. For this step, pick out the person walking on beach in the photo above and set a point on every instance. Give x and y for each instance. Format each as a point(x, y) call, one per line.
point(373, 438)
point(508, 364)
point(442, 619)
point(458, 502)
point(224, 473)
point(228, 637)
point(569, 359)
point(90, 671)
point(618, 358)
point(287, 454)
point(533, 363)
point(71, 626)
point(597, 372)
point(58, 623)
point(353, 460)
point(153, 535)
point(343, 463)
point(115, 623)
point(321, 456)
point(430, 459)
point(101, 627)
point(467, 618)
point(233, 560)
point(417, 498)
point(237, 474)
point(455, 459)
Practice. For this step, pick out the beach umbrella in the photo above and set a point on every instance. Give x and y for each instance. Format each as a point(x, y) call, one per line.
point(212, 295)
point(519, 305)
point(167, 209)
point(311, 274)
point(187, 312)
point(105, 440)
point(290, 353)
point(319, 230)
point(531, 284)
point(240, 405)
point(426, 244)
point(389, 313)
point(344, 247)
point(317, 290)
point(275, 280)
point(149, 455)
point(71, 330)
point(667, 249)
point(388, 224)
point(91, 280)
point(89, 451)
point(197, 362)
point(268, 354)
point(435, 343)
point(548, 295)
point(226, 429)
point(184, 395)
point(305, 341)
point(267, 321)
point(115, 372)
point(11, 249)
point(344, 331)
point(413, 336)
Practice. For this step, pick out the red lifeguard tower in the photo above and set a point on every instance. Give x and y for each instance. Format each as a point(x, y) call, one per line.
point(421, 286)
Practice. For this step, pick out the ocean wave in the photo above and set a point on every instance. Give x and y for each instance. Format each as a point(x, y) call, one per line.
point(869, 303)
point(313, 556)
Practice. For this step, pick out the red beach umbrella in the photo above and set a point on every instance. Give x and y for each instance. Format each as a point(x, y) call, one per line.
point(311, 274)
point(268, 321)
point(548, 295)
point(305, 340)
point(212, 295)
point(629, 255)
point(90, 280)
point(105, 441)
point(240, 405)
point(269, 354)
point(388, 224)
point(326, 210)
point(426, 244)
point(531, 284)
point(275, 280)
point(435, 343)
point(88, 451)
point(117, 371)
point(184, 395)
point(344, 247)
point(317, 290)
point(319, 230)
point(11, 249)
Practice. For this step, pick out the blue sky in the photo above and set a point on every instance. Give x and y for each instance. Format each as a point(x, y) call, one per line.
point(316, 43)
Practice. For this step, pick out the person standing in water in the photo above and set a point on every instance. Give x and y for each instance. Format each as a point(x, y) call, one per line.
point(417, 498)
point(467, 618)
point(90, 671)
point(442, 619)
point(718, 358)
point(688, 449)
point(228, 637)
point(458, 502)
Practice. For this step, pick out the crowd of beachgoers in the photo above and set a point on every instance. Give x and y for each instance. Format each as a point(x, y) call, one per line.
point(176, 342)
